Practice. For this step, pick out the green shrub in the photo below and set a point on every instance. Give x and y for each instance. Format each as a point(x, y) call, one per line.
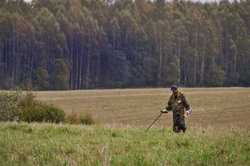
point(53, 114)
point(8, 106)
point(34, 111)
point(42, 113)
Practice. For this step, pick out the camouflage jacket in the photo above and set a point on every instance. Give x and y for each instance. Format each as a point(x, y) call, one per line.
point(178, 104)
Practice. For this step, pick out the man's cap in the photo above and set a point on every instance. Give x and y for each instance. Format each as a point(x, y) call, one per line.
point(174, 87)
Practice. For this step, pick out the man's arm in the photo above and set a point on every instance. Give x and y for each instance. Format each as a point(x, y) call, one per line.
point(169, 106)
point(186, 105)
point(185, 102)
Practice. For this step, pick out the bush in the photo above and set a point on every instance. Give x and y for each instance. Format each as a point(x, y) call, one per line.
point(53, 114)
point(42, 113)
point(8, 106)
point(34, 111)
point(85, 119)
point(16, 106)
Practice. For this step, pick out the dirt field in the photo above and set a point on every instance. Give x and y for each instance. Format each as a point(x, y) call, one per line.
point(215, 107)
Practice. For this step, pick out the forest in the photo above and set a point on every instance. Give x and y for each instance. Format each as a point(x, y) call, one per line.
point(86, 44)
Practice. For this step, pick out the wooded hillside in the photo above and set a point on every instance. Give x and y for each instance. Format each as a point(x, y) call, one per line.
point(80, 44)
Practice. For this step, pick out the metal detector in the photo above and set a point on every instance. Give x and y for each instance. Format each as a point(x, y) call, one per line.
point(157, 118)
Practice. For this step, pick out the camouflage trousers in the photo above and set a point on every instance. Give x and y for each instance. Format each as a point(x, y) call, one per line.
point(179, 123)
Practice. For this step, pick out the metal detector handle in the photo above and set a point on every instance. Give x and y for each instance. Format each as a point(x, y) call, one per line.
point(158, 117)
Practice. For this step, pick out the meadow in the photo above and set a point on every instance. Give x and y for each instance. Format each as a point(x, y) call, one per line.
point(218, 130)
point(48, 144)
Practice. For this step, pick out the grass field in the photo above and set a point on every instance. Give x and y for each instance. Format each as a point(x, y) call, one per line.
point(47, 144)
point(218, 131)
point(216, 107)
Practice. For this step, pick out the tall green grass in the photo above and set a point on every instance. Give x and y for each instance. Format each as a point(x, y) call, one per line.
point(50, 144)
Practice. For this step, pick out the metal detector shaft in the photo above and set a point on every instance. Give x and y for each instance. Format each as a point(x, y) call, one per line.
point(158, 117)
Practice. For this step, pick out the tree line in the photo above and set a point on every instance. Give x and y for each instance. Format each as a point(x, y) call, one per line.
point(83, 44)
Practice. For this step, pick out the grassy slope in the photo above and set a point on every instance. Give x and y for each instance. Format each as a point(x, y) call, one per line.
point(47, 144)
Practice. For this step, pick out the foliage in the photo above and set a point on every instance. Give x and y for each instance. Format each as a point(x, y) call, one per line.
point(61, 75)
point(20, 107)
point(34, 111)
point(9, 110)
point(83, 44)
point(41, 79)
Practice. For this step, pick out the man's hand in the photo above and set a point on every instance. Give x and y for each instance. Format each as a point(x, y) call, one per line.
point(188, 112)
point(164, 111)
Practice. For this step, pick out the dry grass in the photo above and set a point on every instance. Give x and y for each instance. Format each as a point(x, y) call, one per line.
point(215, 107)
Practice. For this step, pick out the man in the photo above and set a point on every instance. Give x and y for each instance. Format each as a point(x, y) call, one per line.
point(179, 106)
